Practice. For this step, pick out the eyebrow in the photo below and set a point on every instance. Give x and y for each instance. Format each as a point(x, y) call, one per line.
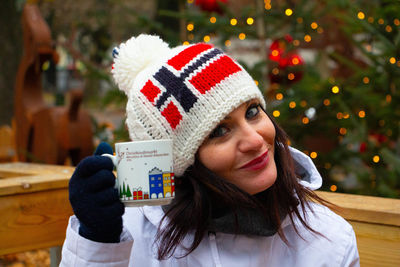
point(227, 117)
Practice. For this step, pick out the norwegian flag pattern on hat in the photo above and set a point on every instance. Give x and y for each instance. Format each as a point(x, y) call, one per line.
point(175, 86)
point(182, 94)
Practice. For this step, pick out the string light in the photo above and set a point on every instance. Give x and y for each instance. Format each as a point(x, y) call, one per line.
point(256, 82)
point(233, 22)
point(342, 131)
point(250, 21)
point(242, 36)
point(339, 115)
point(305, 120)
point(392, 60)
point(213, 19)
point(366, 80)
point(370, 19)
point(288, 12)
point(320, 30)
point(275, 71)
point(227, 43)
point(396, 22)
point(376, 159)
point(327, 102)
point(206, 38)
point(185, 43)
point(388, 28)
point(307, 38)
point(333, 188)
point(327, 165)
point(313, 155)
point(190, 27)
point(279, 96)
point(346, 115)
point(361, 114)
point(276, 113)
point(291, 76)
point(335, 89)
point(295, 61)
point(314, 25)
point(360, 15)
point(381, 21)
point(292, 104)
point(296, 42)
point(267, 4)
point(303, 103)
point(275, 53)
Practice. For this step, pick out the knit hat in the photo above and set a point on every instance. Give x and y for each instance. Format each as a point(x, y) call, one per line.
point(179, 93)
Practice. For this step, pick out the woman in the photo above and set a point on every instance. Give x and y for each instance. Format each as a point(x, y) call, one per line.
point(242, 195)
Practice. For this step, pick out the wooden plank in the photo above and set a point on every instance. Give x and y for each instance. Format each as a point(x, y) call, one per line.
point(32, 221)
point(19, 178)
point(366, 208)
point(378, 245)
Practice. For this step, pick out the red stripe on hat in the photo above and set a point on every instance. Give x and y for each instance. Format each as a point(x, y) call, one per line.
point(172, 114)
point(214, 73)
point(185, 56)
point(150, 91)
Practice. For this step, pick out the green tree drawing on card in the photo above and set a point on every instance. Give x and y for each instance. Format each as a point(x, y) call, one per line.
point(128, 192)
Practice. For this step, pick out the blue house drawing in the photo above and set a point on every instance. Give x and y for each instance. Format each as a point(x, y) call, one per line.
point(156, 183)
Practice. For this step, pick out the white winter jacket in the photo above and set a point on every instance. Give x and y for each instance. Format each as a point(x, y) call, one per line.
point(137, 248)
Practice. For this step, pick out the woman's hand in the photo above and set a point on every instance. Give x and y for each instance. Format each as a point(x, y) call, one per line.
point(94, 199)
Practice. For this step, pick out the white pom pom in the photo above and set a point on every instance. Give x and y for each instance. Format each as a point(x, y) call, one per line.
point(135, 55)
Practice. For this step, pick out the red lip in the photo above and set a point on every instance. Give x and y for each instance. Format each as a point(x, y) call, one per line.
point(257, 163)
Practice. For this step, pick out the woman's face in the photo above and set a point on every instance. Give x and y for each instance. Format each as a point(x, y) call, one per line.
point(241, 149)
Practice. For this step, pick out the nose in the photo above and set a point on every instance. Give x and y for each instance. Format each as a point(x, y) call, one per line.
point(249, 139)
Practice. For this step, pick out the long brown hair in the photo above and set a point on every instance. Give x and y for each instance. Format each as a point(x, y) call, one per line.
point(199, 190)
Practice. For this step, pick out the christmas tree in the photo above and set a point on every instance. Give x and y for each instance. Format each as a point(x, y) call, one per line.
point(330, 71)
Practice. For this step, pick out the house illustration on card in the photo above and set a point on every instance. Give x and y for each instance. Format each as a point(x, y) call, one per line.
point(156, 183)
point(162, 184)
point(169, 184)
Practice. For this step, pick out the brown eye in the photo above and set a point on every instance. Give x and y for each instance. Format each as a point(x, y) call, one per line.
point(252, 111)
point(221, 130)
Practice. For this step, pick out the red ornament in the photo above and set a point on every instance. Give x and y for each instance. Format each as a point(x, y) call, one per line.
point(210, 5)
point(285, 66)
point(363, 147)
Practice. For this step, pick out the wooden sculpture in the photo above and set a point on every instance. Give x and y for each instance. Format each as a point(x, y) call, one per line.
point(46, 133)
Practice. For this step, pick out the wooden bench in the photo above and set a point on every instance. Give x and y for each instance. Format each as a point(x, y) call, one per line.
point(376, 222)
point(34, 210)
point(34, 206)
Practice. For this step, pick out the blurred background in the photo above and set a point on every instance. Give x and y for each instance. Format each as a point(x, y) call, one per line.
point(329, 69)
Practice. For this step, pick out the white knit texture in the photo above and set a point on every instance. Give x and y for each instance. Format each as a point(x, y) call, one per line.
point(135, 55)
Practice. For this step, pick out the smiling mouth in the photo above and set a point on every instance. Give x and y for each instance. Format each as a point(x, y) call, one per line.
point(257, 163)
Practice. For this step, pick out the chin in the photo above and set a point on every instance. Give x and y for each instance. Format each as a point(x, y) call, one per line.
point(264, 181)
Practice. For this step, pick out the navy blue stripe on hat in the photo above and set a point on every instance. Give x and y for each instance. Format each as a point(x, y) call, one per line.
point(176, 87)
point(203, 59)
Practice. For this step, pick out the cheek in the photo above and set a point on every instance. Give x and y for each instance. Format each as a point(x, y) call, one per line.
point(268, 131)
point(217, 158)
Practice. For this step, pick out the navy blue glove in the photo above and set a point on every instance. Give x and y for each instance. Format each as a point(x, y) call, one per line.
point(94, 199)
